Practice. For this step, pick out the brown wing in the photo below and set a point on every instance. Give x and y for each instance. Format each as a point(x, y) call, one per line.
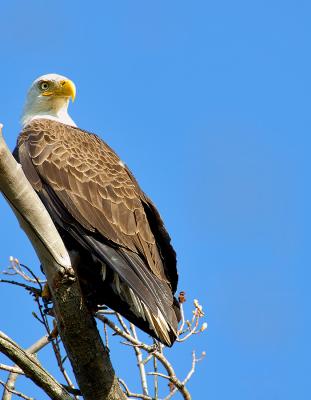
point(101, 195)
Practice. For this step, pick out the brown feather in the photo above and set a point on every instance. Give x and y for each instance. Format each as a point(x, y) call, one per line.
point(99, 194)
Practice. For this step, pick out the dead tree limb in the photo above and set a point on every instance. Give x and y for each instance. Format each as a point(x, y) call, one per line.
point(10, 383)
point(89, 357)
point(151, 350)
point(32, 368)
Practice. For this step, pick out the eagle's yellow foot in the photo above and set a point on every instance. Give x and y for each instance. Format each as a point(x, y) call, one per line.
point(46, 294)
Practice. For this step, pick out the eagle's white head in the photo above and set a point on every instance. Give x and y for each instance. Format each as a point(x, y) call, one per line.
point(48, 97)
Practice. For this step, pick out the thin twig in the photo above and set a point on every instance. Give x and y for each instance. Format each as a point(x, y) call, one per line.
point(14, 370)
point(159, 374)
point(134, 395)
point(35, 278)
point(108, 312)
point(31, 289)
point(147, 359)
point(106, 336)
point(191, 332)
point(19, 394)
point(193, 325)
point(140, 364)
point(17, 269)
point(123, 324)
point(156, 382)
point(182, 314)
point(189, 375)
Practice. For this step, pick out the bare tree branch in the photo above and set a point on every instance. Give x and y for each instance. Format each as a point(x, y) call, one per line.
point(89, 358)
point(134, 395)
point(14, 370)
point(140, 364)
point(10, 383)
point(189, 375)
point(156, 383)
point(19, 394)
point(16, 268)
point(32, 368)
point(193, 325)
point(150, 349)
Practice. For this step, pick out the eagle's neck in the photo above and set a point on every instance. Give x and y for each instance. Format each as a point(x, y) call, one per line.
point(56, 110)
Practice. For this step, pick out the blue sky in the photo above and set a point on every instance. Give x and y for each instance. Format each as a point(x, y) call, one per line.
point(209, 105)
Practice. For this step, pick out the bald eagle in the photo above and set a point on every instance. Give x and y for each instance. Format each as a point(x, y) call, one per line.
point(123, 254)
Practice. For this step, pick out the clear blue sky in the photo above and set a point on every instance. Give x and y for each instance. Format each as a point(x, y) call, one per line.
point(209, 105)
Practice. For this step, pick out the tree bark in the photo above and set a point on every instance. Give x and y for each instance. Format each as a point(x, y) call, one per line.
point(88, 356)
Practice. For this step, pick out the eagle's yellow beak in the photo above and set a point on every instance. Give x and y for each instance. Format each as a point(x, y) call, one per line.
point(67, 88)
point(64, 88)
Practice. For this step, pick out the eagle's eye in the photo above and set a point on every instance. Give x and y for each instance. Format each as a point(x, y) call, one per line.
point(44, 85)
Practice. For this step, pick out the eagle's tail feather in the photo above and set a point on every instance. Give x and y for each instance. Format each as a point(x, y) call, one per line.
point(137, 294)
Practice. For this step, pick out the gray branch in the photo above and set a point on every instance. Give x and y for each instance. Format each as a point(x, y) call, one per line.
point(150, 349)
point(32, 368)
point(10, 383)
point(89, 357)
